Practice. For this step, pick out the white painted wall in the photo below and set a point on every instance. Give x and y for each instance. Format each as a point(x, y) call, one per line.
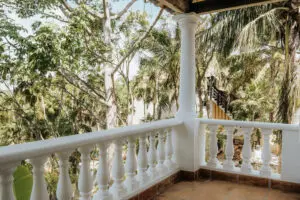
point(290, 156)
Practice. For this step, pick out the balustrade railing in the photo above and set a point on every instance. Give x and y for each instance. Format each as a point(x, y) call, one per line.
point(228, 128)
point(144, 155)
point(128, 176)
point(218, 96)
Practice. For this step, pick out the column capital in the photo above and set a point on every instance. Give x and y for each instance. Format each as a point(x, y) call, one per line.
point(187, 18)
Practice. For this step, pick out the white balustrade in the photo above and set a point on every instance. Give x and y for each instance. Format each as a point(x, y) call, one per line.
point(85, 181)
point(117, 189)
point(229, 150)
point(64, 185)
point(143, 177)
point(169, 151)
point(266, 153)
point(103, 175)
point(6, 181)
point(39, 188)
point(246, 151)
point(152, 156)
point(131, 182)
point(162, 169)
point(213, 147)
point(289, 170)
point(122, 187)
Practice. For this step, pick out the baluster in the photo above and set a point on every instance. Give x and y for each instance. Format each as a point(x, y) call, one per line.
point(64, 185)
point(213, 147)
point(266, 153)
point(152, 156)
point(201, 130)
point(169, 151)
point(117, 189)
point(85, 180)
point(229, 151)
point(6, 181)
point(131, 183)
point(246, 152)
point(142, 161)
point(162, 169)
point(39, 188)
point(102, 175)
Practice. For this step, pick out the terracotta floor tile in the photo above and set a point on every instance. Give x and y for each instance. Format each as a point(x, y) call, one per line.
point(221, 190)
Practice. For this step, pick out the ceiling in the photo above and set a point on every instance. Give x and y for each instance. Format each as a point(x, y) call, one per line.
point(208, 6)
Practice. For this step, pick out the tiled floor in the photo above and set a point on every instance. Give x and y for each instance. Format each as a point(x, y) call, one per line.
point(220, 190)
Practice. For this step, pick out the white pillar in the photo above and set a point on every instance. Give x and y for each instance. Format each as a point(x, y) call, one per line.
point(161, 167)
point(39, 188)
point(201, 131)
point(213, 161)
point(229, 151)
point(85, 180)
point(152, 156)
point(117, 189)
point(266, 153)
point(187, 89)
point(142, 175)
point(131, 182)
point(169, 151)
point(184, 135)
point(6, 181)
point(103, 177)
point(64, 185)
point(246, 151)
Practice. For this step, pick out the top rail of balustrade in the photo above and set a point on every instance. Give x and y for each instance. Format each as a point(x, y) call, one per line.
point(18, 152)
point(249, 124)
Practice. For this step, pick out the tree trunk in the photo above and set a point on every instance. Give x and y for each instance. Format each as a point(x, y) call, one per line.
point(288, 87)
point(111, 114)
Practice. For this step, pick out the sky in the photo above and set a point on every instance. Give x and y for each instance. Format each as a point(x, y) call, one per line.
point(117, 5)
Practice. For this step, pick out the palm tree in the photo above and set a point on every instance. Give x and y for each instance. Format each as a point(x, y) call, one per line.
point(265, 27)
point(157, 81)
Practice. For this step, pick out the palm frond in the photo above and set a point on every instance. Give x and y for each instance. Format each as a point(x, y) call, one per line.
point(253, 33)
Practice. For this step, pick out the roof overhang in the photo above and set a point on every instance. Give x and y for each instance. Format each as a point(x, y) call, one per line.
point(209, 6)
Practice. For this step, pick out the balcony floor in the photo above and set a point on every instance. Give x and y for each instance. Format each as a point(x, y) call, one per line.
point(221, 190)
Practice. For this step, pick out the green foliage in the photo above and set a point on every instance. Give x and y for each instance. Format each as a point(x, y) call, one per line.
point(52, 180)
point(247, 41)
point(157, 81)
point(23, 182)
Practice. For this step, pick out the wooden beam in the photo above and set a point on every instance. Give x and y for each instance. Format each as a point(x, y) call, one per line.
point(211, 6)
point(177, 6)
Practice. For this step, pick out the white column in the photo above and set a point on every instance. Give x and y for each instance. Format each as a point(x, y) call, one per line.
point(85, 180)
point(266, 153)
point(162, 169)
point(142, 161)
point(185, 136)
point(64, 185)
point(131, 183)
point(152, 156)
point(6, 182)
point(117, 189)
point(213, 147)
point(187, 89)
point(103, 177)
point(229, 150)
point(246, 152)
point(39, 188)
point(169, 150)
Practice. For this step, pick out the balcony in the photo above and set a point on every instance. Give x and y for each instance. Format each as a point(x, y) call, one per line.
point(167, 159)
point(157, 157)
